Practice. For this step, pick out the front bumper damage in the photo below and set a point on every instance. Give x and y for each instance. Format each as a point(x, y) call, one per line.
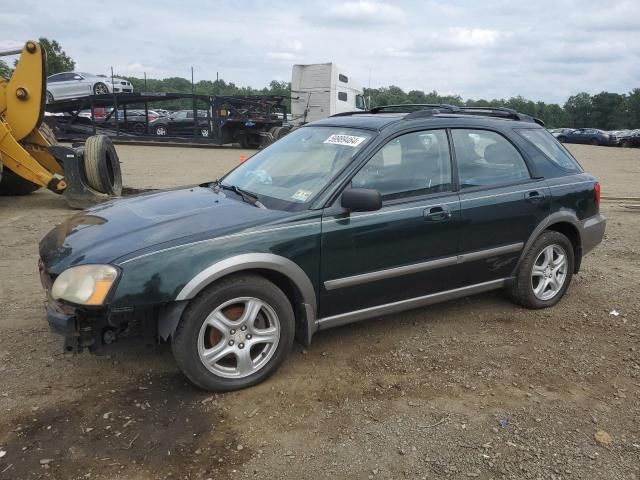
point(80, 328)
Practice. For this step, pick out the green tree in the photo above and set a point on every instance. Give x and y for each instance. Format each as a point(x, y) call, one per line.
point(579, 110)
point(5, 70)
point(57, 59)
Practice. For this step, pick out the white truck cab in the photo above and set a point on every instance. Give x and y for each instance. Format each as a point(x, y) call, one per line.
point(320, 90)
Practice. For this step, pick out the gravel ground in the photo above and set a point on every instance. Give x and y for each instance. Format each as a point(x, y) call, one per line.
point(473, 388)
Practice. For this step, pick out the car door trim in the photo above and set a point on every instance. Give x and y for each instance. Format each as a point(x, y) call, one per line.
point(389, 273)
point(394, 272)
point(394, 307)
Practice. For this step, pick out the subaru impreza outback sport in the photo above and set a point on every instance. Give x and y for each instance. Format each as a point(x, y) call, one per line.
point(345, 219)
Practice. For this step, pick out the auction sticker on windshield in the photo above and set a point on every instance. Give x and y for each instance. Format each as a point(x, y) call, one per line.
point(301, 195)
point(349, 140)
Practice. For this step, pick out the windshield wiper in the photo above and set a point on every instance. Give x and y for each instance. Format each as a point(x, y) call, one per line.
point(247, 196)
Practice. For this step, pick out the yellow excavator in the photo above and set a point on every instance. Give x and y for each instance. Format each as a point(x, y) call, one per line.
point(31, 158)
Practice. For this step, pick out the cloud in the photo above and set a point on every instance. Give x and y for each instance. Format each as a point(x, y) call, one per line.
point(543, 50)
point(364, 12)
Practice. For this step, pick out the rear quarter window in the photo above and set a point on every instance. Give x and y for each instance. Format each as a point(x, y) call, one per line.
point(550, 148)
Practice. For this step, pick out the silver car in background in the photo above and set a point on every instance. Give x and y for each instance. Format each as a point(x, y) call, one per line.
point(67, 85)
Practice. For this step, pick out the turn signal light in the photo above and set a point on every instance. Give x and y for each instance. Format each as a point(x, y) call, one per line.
point(596, 189)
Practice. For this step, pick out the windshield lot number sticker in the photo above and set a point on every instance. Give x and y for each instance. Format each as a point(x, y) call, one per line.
point(349, 140)
point(301, 195)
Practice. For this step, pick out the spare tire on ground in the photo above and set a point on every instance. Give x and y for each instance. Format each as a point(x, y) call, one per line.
point(102, 166)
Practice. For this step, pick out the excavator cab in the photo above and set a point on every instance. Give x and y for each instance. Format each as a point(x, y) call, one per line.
point(31, 158)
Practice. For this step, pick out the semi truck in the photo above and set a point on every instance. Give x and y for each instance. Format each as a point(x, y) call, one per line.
point(320, 90)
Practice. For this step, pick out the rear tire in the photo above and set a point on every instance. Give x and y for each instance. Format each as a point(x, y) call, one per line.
point(102, 166)
point(594, 141)
point(558, 278)
point(47, 132)
point(562, 139)
point(13, 184)
point(196, 340)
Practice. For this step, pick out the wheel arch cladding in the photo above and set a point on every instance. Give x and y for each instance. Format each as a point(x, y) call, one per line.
point(570, 231)
point(281, 271)
point(563, 222)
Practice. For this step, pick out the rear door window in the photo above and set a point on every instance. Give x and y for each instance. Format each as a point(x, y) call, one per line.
point(486, 158)
point(549, 146)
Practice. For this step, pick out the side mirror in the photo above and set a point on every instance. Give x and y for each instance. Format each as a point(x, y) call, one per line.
point(361, 200)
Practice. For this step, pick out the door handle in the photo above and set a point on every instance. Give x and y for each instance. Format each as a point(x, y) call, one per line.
point(436, 214)
point(534, 196)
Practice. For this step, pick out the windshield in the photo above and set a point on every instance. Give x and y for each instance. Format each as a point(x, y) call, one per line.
point(290, 173)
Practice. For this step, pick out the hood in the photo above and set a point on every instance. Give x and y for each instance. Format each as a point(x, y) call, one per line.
point(147, 222)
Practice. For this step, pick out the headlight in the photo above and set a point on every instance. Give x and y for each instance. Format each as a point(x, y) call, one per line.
point(85, 284)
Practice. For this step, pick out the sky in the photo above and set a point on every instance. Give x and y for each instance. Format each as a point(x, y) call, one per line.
point(542, 50)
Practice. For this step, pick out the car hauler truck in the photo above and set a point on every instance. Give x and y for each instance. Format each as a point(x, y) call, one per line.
point(320, 90)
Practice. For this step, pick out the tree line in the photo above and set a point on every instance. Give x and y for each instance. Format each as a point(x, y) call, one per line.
point(605, 110)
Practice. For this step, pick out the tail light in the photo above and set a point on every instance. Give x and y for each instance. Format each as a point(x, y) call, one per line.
point(596, 189)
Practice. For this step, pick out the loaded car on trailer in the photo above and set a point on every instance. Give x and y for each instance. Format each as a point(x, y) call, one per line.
point(344, 219)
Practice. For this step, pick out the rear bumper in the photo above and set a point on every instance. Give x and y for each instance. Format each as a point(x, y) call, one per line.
point(592, 232)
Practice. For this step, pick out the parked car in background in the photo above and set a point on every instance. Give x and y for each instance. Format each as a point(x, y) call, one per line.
point(632, 139)
point(135, 120)
point(162, 112)
point(180, 123)
point(345, 219)
point(68, 85)
point(556, 132)
point(590, 136)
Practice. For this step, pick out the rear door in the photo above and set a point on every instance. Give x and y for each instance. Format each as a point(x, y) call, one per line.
point(500, 203)
point(408, 248)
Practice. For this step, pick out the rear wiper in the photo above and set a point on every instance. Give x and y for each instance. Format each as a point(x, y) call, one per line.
point(247, 196)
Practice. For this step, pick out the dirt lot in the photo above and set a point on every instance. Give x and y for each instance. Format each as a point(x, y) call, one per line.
point(474, 388)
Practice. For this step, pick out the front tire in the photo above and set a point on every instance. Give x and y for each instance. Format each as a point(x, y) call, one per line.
point(49, 98)
point(234, 334)
point(545, 272)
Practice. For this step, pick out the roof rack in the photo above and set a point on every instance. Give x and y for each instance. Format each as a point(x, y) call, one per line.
point(421, 110)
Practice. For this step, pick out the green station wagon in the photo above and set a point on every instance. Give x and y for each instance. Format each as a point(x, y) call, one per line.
point(345, 219)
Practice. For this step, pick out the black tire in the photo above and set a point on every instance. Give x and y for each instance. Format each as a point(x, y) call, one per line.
point(562, 139)
point(47, 132)
point(138, 128)
point(13, 184)
point(521, 291)
point(276, 133)
point(184, 342)
point(594, 141)
point(102, 166)
point(100, 89)
point(49, 97)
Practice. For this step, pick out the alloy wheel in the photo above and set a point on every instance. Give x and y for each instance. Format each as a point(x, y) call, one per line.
point(549, 272)
point(239, 337)
point(100, 89)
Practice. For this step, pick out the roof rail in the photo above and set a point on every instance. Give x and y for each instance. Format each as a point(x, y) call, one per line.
point(421, 110)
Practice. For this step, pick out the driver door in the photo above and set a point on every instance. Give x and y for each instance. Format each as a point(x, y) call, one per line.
point(409, 247)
